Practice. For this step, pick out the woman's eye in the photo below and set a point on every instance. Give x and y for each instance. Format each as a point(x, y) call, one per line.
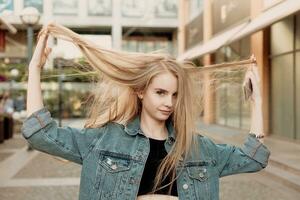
point(160, 92)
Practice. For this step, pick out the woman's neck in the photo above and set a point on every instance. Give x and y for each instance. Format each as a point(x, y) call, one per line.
point(153, 128)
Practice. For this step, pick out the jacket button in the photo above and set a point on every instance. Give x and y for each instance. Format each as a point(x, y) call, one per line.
point(185, 186)
point(114, 167)
point(171, 140)
point(201, 175)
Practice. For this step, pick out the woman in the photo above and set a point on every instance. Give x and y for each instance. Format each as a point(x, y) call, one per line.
point(140, 139)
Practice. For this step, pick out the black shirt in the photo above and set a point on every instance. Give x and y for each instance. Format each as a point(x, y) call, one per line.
point(156, 155)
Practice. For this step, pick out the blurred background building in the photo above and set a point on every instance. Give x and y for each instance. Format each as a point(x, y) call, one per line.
point(216, 31)
point(130, 25)
point(204, 31)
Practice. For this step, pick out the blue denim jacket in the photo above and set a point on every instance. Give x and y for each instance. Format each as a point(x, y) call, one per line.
point(113, 158)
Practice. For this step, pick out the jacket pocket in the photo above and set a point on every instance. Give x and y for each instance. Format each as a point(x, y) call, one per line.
point(199, 173)
point(112, 174)
point(204, 178)
point(115, 162)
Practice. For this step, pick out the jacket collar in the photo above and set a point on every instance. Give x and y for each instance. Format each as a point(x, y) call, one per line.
point(133, 127)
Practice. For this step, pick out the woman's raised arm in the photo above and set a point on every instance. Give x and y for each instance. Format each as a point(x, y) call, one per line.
point(40, 129)
point(34, 92)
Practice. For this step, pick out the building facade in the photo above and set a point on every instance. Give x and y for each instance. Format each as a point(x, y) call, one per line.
point(229, 30)
point(129, 25)
point(134, 25)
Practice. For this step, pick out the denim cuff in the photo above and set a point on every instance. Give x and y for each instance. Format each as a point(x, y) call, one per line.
point(256, 150)
point(35, 122)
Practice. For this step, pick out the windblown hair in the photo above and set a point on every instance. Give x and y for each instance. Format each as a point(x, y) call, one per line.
point(120, 75)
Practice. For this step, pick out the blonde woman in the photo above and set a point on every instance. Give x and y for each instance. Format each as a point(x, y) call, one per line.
point(140, 140)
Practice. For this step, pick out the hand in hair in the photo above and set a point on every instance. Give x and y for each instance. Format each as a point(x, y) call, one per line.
point(251, 85)
point(41, 51)
point(252, 92)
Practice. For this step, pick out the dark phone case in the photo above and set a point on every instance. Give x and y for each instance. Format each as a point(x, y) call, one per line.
point(248, 89)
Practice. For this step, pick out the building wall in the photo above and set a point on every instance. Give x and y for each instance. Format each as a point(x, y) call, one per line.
point(278, 56)
point(99, 17)
point(285, 77)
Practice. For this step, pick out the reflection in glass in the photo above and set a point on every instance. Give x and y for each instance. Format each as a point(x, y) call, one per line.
point(61, 7)
point(99, 7)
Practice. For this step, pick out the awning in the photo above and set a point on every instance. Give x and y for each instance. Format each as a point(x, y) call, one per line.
point(212, 44)
point(265, 19)
point(7, 25)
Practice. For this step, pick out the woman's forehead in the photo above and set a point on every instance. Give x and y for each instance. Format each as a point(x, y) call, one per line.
point(166, 81)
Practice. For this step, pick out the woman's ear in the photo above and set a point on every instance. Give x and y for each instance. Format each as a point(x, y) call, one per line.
point(140, 95)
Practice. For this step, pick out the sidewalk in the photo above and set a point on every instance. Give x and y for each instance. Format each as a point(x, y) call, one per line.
point(284, 162)
point(33, 175)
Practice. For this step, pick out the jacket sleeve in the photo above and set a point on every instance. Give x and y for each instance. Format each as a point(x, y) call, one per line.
point(252, 157)
point(43, 134)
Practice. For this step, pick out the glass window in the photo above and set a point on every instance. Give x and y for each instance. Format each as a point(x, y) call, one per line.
point(233, 106)
point(194, 31)
point(99, 7)
point(166, 8)
point(133, 8)
point(61, 7)
point(6, 5)
point(282, 31)
point(297, 31)
point(282, 96)
point(221, 103)
point(229, 12)
point(38, 4)
point(195, 8)
point(297, 95)
point(231, 109)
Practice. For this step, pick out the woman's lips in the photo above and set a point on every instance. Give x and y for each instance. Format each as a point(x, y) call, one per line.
point(165, 112)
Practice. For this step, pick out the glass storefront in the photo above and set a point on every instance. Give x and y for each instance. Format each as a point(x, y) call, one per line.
point(194, 27)
point(231, 109)
point(147, 45)
point(227, 13)
point(285, 77)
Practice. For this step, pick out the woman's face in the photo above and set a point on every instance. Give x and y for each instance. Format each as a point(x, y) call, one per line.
point(159, 98)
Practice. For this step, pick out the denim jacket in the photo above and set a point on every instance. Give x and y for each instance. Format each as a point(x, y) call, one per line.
point(113, 158)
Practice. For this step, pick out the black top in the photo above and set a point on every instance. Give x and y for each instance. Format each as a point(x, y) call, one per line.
point(156, 155)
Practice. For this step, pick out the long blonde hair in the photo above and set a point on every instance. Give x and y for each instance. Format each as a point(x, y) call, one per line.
point(120, 75)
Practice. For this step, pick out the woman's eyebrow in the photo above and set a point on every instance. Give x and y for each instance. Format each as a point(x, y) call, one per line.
point(163, 90)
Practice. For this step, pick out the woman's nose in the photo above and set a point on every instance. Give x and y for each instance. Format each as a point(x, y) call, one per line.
point(169, 101)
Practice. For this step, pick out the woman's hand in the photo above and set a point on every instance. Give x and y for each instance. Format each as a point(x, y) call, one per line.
point(252, 91)
point(251, 85)
point(41, 52)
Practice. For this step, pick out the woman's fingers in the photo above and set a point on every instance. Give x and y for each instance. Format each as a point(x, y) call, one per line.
point(41, 51)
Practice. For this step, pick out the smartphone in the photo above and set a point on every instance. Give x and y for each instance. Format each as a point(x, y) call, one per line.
point(248, 89)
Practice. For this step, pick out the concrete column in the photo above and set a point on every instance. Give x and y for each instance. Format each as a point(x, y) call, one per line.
point(116, 25)
point(260, 48)
point(82, 8)
point(182, 20)
point(209, 94)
